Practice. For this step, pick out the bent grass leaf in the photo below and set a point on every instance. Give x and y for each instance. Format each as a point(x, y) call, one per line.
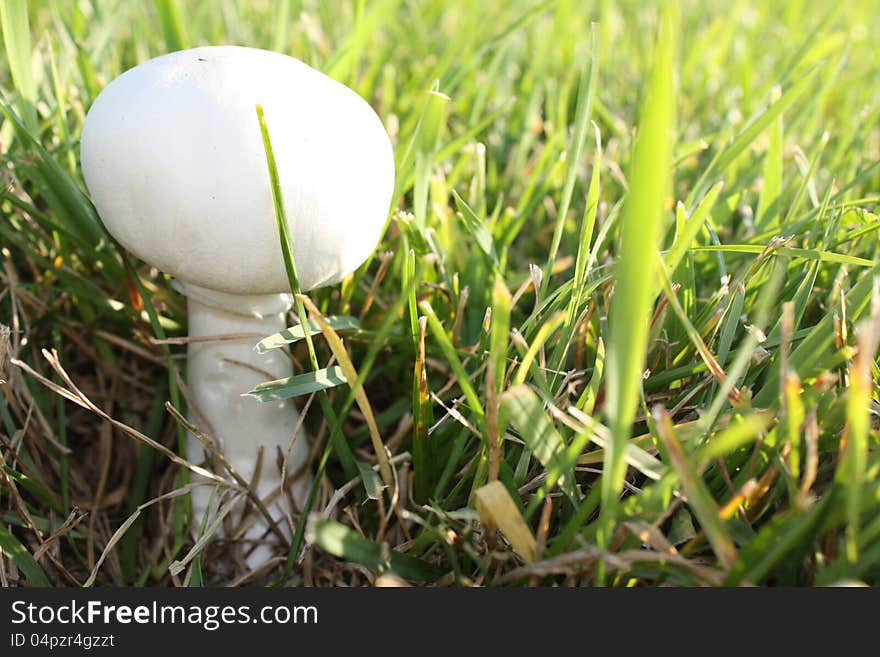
point(296, 333)
point(477, 229)
point(808, 254)
point(301, 384)
point(634, 454)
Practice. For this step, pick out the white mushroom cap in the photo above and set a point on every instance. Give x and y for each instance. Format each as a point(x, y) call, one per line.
point(173, 158)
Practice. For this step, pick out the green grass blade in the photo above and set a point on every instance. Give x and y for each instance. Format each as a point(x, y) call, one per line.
point(586, 93)
point(853, 470)
point(525, 410)
point(640, 232)
point(173, 25)
point(807, 254)
point(343, 450)
point(699, 498)
point(17, 41)
point(23, 559)
point(345, 543)
point(748, 135)
point(55, 181)
point(294, 334)
point(767, 214)
point(298, 385)
point(684, 239)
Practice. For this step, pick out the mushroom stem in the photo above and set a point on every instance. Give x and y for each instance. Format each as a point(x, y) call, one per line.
point(218, 372)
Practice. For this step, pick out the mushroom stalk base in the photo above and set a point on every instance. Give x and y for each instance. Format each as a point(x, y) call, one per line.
point(218, 372)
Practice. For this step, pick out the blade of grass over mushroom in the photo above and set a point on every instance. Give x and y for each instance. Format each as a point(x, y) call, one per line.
point(22, 559)
point(343, 450)
point(298, 385)
point(640, 232)
point(367, 364)
point(345, 543)
point(296, 333)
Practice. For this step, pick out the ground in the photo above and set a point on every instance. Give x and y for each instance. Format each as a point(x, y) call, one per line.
point(621, 328)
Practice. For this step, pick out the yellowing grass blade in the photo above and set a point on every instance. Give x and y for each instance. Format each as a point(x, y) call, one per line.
point(338, 349)
point(498, 511)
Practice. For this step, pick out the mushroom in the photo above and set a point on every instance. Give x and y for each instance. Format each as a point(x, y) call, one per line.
point(173, 158)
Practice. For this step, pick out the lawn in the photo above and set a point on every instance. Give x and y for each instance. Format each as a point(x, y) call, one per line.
point(621, 328)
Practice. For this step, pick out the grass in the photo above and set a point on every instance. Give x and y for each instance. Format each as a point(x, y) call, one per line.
point(621, 328)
